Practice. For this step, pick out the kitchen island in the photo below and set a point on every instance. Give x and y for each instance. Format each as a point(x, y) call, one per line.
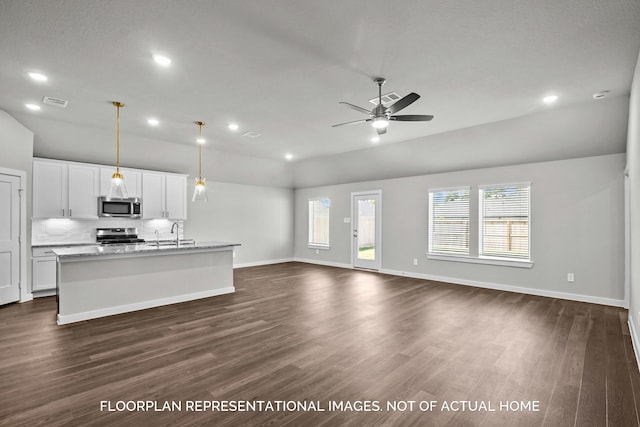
point(98, 281)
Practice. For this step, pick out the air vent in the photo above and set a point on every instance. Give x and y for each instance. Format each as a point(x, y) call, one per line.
point(55, 101)
point(387, 98)
point(251, 134)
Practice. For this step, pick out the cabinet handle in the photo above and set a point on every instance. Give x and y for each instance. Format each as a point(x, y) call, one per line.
point(167, 214)
point(70, 214)
point(63, 212)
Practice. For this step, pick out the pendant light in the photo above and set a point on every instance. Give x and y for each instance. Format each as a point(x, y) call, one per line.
point(200, 190)
point(118, 189)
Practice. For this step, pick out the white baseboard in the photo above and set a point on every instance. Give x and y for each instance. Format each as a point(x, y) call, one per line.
point(510, 288)
point(327, 263)
point(26, 297)
point(259, 263)
point(634, 338)
point(94, 314)
point(47, 293)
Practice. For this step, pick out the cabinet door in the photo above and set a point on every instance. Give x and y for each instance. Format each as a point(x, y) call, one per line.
point(49, 190)
point(132, 180)
point(83, 191)
point(153, 200)
point(176, 195)
point(44, 273)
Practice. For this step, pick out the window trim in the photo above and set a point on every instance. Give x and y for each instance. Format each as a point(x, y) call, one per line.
point(503, 259)
point(430, 224)
point(315, 245)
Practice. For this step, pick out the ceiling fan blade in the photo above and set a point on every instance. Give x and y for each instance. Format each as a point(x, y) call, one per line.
point(381, 131)
point(403, 103)
point(355, 107)
point(350, 123)
point(412, 118)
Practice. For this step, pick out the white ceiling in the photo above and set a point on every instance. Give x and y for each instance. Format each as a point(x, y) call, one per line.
point(279, 68)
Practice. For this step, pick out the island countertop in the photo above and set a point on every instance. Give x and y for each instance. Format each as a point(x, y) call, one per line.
point(147, 248)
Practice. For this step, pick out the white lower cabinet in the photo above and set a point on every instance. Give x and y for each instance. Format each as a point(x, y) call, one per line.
point(43, 270)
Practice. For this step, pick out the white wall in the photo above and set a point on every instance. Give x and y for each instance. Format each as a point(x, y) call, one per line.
point(577, 226)
point(260, 218)
point(16, 152)
point(633, 165)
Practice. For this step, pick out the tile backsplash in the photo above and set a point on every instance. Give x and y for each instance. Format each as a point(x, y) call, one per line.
point(60, 231)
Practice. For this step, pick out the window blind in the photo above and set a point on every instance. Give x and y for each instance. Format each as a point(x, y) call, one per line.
point(449, 225)
point(504, 221)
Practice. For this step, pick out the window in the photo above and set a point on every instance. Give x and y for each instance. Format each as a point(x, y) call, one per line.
point(319, 223)
point(504, 221)
point(449, 222)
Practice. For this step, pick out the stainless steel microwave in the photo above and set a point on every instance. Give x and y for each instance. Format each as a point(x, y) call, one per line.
point(120, 208)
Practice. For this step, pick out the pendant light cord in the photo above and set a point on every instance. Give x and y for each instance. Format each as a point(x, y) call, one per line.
point(118, 105)
point(200, 154)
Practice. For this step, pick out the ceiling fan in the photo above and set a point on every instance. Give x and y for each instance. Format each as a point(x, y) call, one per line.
point(381, 115)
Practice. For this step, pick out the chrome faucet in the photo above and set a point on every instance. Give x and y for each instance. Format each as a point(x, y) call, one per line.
point(177, 227)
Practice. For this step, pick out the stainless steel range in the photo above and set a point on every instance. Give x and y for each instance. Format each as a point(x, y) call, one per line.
point(117, 236)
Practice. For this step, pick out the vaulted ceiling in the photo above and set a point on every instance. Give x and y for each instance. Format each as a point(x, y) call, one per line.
point(279, 68)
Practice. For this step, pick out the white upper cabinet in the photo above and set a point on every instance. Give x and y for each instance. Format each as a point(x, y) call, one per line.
point(164, 196)
point(153, 196)
point(49, 189)
point(176, 196)
point(82, 182)
point(132, 180)
point(71, 190)
point(64, 190)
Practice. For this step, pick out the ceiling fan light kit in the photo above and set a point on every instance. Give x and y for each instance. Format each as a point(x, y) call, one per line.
point(381, 115)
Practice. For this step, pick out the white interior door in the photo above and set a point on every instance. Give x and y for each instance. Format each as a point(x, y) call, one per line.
point(9, 239)
point(366, 220)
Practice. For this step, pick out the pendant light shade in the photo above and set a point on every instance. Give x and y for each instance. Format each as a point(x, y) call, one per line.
point(118, 189)
point(200, 190)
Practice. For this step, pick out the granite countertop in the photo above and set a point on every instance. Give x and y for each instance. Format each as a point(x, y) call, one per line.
point(147, 248)
point(59, 244)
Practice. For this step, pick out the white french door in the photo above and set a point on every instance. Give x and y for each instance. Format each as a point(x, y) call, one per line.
point(366, 229)
point(9, 239)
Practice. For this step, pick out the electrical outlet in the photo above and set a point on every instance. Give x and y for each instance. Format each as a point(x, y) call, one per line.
point(570, 277)
point(415, 261)
point(317, 251)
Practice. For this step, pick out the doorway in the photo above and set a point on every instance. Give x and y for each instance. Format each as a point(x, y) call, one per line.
point(11, 254)
point(366, 214)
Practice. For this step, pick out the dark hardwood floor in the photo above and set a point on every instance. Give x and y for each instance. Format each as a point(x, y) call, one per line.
point(303, 333)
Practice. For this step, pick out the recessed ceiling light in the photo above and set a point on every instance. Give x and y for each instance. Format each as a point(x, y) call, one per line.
point(233, 126)
point(32, 107)
point(375, 139)
point(153, 122)
point(288, 156)
point(38, 77)
point(550, 99)
point(162, 60)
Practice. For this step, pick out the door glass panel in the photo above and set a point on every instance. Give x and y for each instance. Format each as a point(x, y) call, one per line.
point(366, 229)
